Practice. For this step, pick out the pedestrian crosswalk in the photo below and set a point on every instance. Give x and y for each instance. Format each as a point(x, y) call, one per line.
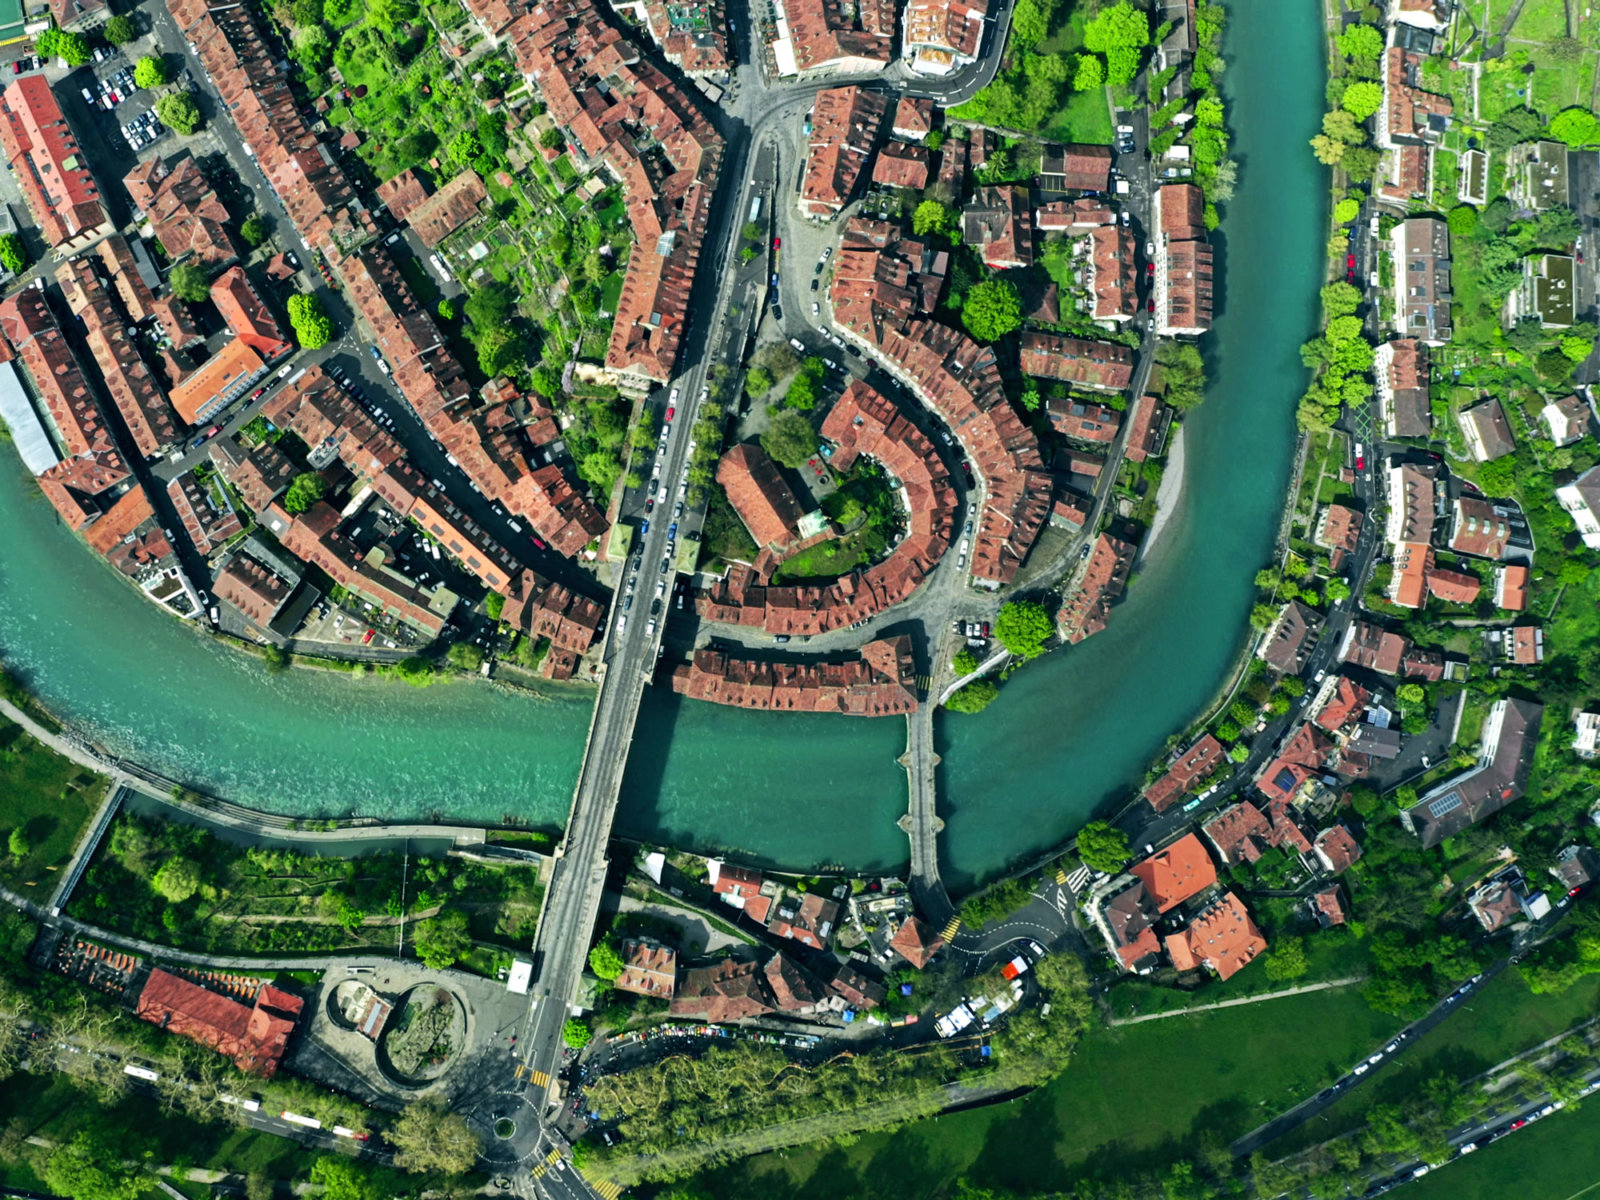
point(950, 929)
point(553, 1155)
point(1061, 876)
point(536, 1078)
point(924, 683)
point(608, 1190)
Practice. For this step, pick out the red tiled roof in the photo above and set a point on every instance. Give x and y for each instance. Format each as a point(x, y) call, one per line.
point(448, 209)
point(1176, 873)
point(902, 166)
point(728, 991)
point(916, 943)
point(1223, 938)
point(1348, 700)
point(51, 168)
point(649, 968)
point(1106, 365)
point(844, 126)
point(255, 1038)
point(1087, 609)
point(1337, 849)
point(882, 682)
point(252, 587)
point(246, 313)
point(759, 495)
point(1193, 765)
point(1511, 587)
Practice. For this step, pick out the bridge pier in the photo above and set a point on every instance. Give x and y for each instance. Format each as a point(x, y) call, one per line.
point(921, 823)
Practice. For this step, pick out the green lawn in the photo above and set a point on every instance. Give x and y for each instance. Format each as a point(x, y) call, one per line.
point(1556, 1159)
point(49, 798)
point(1540, 21)
point(1133, 1099)
point(1082, 117)
point(1501, 1020)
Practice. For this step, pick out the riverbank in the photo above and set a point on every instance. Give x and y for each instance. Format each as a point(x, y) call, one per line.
point(1169, 498)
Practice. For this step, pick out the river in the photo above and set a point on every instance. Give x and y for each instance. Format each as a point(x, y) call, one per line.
point(1067, 735)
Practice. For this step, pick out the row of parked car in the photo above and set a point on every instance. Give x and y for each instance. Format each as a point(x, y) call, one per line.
point(142, 130)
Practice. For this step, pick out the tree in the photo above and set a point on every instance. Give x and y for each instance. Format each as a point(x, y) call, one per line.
point(1337, 590)
point(1287, 959)
point(178, 879)
point(149, 72)
point(929, 217)
point(1575, 348)
point(1343, 127)
point(1342, 329)
point(308, 487)
point(789, 439)
point(190, 281)
point(389, 15)
point(344, 1179)
point(576, 1033)
point(71, 48)
point(1577, 127)
point(1361, 41)
point(551, 139)
point(1347, 210)
point(992, 309)
point(312, 326)
point(500, 350)
point(179, 112)
point(17, 843)
point(974, 697)
point(312, 47)
point(1103, 846)
point(1462, 220)
point(443, 940)
point(1120, 26)
point(1362, 98)
point(605, 962)
point(1340, 299)
point(253, 229)
point(1515, 125)
point(464, 656)
point(430, 1138)
point(1023, 627)
point(1360, 162)
point(119, 30)
point(13, 256)
point(1029, 24)
point(258, 1185)
point(1088, 73)
point(87, 1168)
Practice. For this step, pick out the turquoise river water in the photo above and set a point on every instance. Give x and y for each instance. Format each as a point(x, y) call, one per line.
point(1068, 733)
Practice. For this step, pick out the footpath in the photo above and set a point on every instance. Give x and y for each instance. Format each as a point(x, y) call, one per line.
point(1240, 1002)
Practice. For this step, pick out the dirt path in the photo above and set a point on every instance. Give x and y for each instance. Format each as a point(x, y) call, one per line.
point(1241, 1001)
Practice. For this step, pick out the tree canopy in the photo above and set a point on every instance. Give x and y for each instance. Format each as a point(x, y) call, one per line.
point(929, 217)
point(179, 112)
point(13, 255)
point(190, 281)
point(312, 326)
point(443, 940)
point(974, 697)
point(177, 879)
point(789, 438)
point(71, 48)
point(86, 1168)
point(1103, 846)
point(1362, 98)
point(119, 29)
point(149, 72)
point(605, 961)
point(1361, 41)
point(1023, 627)
point(307, 488)
point(1576, 127)
point(430, 1138)
point(991, 309)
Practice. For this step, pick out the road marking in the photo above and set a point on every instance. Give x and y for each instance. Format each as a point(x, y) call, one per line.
point(536, 1078)
point(950, 929)
point(608, 1189)
point(538, 1171)
point(553, 1155)
point(1061, 877)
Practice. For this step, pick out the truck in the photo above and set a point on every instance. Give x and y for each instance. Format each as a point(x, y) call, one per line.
point(755, 208)
point(1014, 968)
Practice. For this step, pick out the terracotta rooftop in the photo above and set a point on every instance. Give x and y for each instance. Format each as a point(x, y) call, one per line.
point(51, 169)
point(1106, 365)
point(649, 968)
point(759, 495)
point(1176, 873)
point(1223, 938)
point(448, 209)
point(254, 1037)
point(1087, 609)
point(882, 682)
point(1193, 765)
point(845, 124)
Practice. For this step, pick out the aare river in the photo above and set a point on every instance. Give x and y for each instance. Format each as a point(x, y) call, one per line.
point(1067, 735)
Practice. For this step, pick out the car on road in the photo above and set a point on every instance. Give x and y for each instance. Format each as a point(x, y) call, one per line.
point(777, 312)
point(376, 355)
point(817, 270)
point(1084, 553)
point(672, 399)
point(827, 253)
point(1150, 305)
point(671, 412)
point(777, 243)
point(815, 284)
point(815, 308)
point(1361, 457)
point(539, 542)
point(1362, 1069)
point(644, 526)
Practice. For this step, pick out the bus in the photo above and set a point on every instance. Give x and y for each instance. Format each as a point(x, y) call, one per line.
point(297, 1119)
point(755, 207)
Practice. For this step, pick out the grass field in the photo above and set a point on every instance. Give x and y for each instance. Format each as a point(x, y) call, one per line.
point(1082, 117)
point(1501, 1020)
point(49, 798)
point(1556, 1159)
point(1134, 1098)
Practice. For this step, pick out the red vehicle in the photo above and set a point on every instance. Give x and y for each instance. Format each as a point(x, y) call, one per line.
point(777, 243)
point(671, 412)
point(539, 542)
point(1519, 1123)
point(1349, 262)
point(1361, 462)
point(213, 431)
point(1151, 306)
point(368, 636)
point(1149, 268)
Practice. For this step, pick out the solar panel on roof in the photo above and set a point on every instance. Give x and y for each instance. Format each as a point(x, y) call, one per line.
point(1444, 804)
